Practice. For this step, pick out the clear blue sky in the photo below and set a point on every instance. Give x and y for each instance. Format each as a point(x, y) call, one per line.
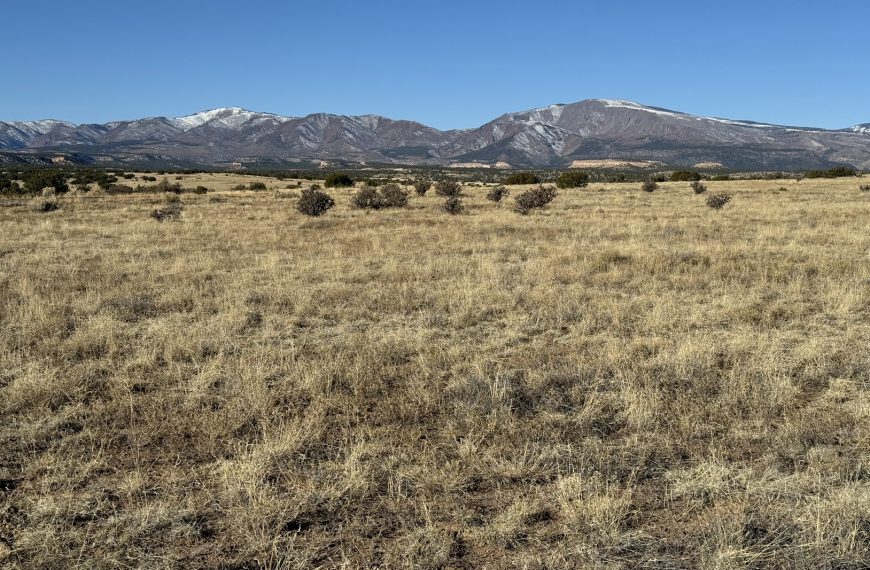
point(448, 64)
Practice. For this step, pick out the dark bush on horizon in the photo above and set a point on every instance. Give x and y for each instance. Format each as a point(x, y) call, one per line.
point(836, 172)
point(685, 176)
point(338, 180)
point(522, 178)
point(572, 179)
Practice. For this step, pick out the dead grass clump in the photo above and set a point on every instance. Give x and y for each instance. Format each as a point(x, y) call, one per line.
point(534, 199)
point(46, 205)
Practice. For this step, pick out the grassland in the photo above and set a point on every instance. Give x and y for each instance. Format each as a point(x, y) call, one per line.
point(621, 380)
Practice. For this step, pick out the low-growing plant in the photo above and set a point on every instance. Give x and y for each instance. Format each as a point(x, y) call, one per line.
point(257, 186)
point(698, 187)
point(497, 193)
point(314, 202)
point(453, 205)
point(200, 190)
point(572, 179)
point(534, 198)
point(422, 186)
point(649, 186)
point(448, 188)
point(718, 201)
point(865, 188)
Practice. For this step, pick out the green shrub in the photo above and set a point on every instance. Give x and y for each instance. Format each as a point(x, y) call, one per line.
point(422, 186)
point(448, 188)
point(338, 180)
point(649, 186)
point(685, 176)
point(200, 190)
point(534, 198)
point(393, 196)
point(36, 180)
point(522, 178)
point(497, 193)
point(573, 179)
point(453, 205)
point(314, 202)
point(698, 187)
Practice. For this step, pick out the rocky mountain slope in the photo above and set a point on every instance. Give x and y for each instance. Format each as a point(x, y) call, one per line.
point(553, 136)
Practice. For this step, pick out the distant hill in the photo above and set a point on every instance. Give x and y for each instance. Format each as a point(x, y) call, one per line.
point(554, 136)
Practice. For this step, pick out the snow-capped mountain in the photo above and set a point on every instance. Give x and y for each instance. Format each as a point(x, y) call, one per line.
point(550, 136)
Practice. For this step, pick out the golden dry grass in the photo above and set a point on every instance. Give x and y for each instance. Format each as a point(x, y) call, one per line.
point(621, 380)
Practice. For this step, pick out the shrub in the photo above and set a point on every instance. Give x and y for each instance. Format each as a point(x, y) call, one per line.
point(865, 188)
point(315, 186)
point(534, 198)
point(497, 193)
point(649, 186)
point(239, 187)
point(314, 202)
point(453, 205)
point(685, 176)
point(572, 179)
point(119, 189)
point(338, 180)
point(389, 196)
point(717, 201)
point(698, 187)
point(257, 186)
point(393, 196)
point(422, 186)
point(448, 188)
point(200, 190)
point(522, 178)
point(36, 180)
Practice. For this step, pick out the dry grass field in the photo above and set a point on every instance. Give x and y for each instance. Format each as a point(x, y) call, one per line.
point(621, 380)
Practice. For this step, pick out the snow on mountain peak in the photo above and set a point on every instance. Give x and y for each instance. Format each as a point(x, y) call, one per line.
point(226, 117)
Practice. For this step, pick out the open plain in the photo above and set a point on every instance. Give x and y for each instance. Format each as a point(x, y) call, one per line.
point(620, 380)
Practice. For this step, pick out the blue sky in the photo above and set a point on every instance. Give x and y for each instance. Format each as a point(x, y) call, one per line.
point(448, 64)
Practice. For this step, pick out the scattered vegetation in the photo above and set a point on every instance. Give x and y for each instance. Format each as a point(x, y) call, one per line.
point(422, 186)
point(314, 202)
point(865, 188)
point(649, 186)
point(534, 198)
point(573, 179)
point(698, 187)
point(171, 212)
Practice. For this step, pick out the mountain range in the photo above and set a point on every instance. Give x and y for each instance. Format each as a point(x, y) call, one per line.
point(548, 137)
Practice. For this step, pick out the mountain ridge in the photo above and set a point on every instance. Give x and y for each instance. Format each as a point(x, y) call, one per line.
point(552, 136)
